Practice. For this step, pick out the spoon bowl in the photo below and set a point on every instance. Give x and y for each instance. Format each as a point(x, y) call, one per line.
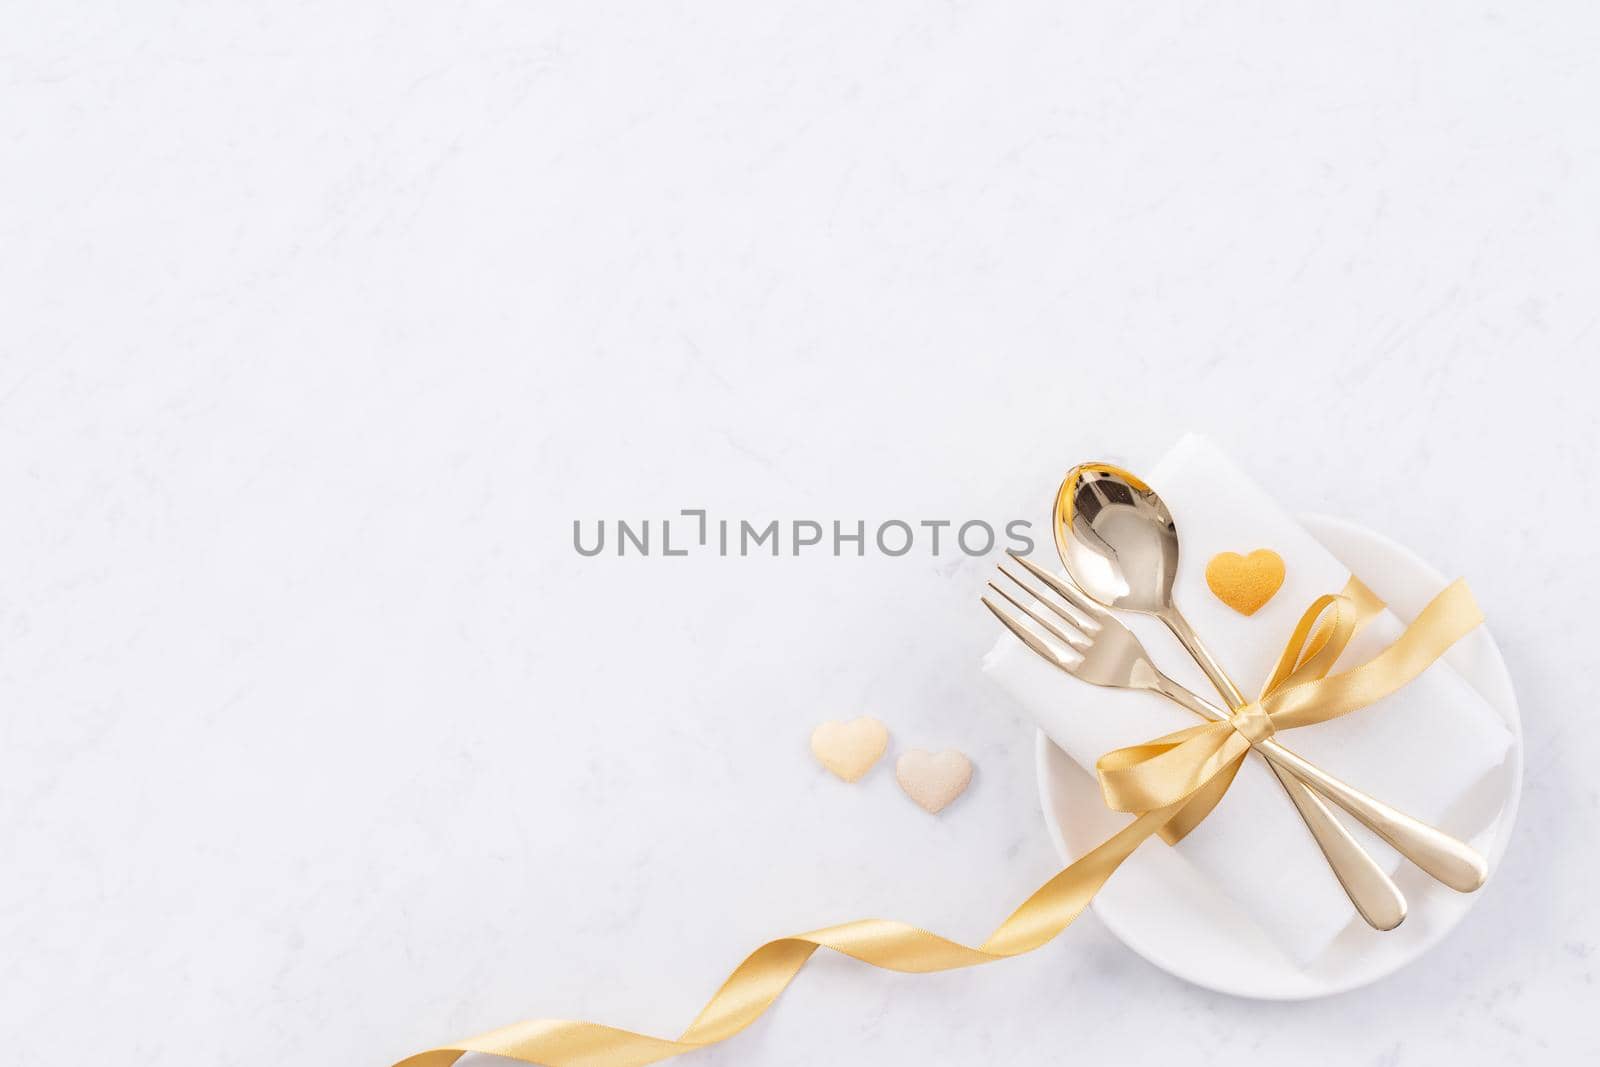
point(1117, 538)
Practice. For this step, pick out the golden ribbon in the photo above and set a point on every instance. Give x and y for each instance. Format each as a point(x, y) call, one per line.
point(1160, 781)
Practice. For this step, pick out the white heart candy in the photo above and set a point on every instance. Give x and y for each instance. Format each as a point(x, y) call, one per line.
point(933, 780)
point(849, 749)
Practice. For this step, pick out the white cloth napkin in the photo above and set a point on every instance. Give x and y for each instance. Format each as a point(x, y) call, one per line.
point(1421, 749)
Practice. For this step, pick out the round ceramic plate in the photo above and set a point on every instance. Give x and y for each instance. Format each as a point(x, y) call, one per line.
point(1164, 910)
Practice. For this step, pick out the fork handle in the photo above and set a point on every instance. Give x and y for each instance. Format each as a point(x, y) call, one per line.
point(1202, 656)
point(1442, 856)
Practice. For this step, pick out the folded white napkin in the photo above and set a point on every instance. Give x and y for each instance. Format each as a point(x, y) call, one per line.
point(1420, 750)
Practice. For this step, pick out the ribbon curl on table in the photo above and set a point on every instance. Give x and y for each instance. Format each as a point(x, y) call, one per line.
point(1171, 784)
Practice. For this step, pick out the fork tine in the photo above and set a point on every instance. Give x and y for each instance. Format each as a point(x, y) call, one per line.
point(1072, 638)
point(1063, 588)
point(1028, 637)
point(1079, 620)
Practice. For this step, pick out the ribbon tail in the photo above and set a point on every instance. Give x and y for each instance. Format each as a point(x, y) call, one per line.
point(1172, 784)
point(767, 972)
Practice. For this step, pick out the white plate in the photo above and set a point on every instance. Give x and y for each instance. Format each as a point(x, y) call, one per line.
point(1160, 907)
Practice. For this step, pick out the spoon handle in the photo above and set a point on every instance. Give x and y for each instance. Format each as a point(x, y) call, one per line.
point(1201, 655)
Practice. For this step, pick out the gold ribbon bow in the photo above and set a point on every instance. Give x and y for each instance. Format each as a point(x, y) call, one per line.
point(1172, 783)
point(1197, 765)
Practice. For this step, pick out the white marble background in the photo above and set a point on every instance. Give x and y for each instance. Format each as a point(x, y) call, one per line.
point(320, 323)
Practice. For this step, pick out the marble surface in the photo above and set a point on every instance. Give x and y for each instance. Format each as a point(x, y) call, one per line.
point(319, 743)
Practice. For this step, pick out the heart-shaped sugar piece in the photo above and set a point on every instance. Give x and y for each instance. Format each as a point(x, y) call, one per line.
point(1245, 583)
point(849, 749)
point(933, 779)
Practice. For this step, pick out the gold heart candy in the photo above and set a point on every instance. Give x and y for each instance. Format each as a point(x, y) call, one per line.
point(933, 780)
point(849, 749)
point(1245, 583)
